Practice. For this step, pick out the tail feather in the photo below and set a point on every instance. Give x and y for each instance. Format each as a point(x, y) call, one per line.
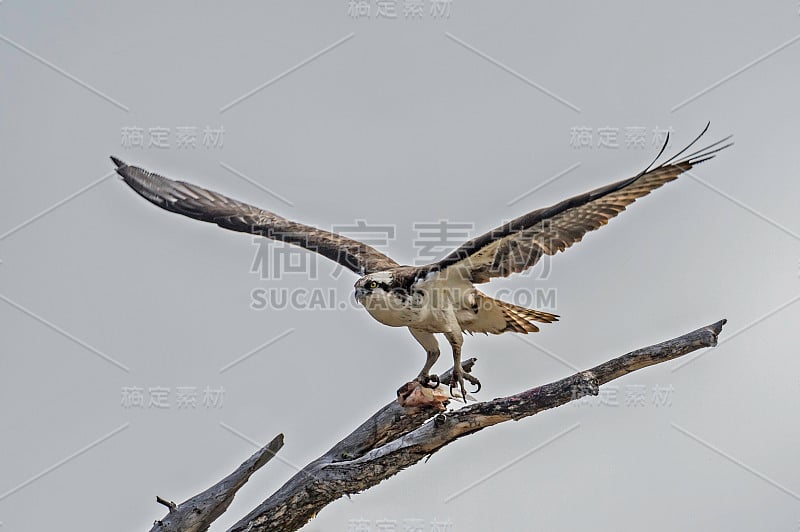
point(519, 319)
point(496, 317)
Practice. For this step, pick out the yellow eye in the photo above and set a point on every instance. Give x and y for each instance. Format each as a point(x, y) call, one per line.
point(373, 285)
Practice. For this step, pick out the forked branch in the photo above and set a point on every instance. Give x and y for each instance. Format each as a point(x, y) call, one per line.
point(395, 438)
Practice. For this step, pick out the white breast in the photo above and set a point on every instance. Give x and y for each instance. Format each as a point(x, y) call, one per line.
point(394, 311)
point(435, 308)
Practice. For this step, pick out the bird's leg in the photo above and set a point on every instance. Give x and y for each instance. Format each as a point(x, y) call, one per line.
point(428, 342)
point(425, 378)
point(458, 376)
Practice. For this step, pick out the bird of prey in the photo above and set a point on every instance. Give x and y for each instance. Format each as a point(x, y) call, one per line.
point(440, 297)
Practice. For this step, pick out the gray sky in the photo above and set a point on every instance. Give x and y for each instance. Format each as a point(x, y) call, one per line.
point(466, 117)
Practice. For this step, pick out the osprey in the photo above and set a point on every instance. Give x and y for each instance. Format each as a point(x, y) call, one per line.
point(440, 297)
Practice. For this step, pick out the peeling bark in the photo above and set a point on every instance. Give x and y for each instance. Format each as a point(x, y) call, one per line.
point(395, 438)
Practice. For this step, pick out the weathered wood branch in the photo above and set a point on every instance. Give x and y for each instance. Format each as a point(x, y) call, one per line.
point(197, 514)
point(395, 438)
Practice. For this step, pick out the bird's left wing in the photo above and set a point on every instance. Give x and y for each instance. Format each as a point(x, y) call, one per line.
point(208, 206)
point(519, 244)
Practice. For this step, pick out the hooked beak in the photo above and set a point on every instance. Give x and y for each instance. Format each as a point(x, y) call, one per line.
point(361, 293)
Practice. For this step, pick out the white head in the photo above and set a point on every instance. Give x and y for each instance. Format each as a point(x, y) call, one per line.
point(374, 286)
point(387, 299)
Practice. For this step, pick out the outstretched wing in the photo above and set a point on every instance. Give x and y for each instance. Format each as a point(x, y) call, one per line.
point(519, 244)
point(208, 206)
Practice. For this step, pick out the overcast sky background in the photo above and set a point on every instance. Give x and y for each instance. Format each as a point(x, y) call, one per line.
point(401, 121)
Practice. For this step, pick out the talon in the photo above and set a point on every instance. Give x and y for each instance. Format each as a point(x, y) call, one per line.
point(473, 380)
point(457, 382)
point(454, 386)
point(429, 381)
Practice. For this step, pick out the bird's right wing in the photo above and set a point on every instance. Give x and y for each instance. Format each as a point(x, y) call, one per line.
point(208, 206)
point(519, 244)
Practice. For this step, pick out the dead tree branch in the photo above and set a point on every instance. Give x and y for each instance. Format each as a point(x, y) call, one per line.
point(395, 438)
point(197, 514)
